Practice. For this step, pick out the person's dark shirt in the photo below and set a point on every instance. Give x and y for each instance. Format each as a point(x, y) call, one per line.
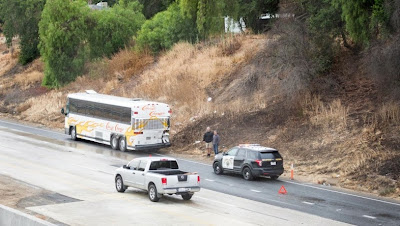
point(208, 137)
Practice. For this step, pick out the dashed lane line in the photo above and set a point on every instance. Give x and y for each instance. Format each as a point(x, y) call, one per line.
point(255, 190)
point(209, 180)
point(369, 217)
point(308, 203)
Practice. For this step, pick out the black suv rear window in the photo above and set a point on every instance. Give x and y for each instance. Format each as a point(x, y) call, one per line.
point(162, 165)
point(270, 155)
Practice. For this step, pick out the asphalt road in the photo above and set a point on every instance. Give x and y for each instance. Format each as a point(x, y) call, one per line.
point(327, 202)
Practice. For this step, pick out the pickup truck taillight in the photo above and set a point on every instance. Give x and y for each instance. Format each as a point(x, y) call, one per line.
point(259, 162)
point(164, 181)
point(198, 179)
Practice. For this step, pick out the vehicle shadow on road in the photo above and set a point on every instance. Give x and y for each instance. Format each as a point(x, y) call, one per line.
point(165, 199)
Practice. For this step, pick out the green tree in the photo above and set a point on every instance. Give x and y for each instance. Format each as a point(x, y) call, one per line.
point(21, 18)
point(62, 36)
point(357, 15)
point(113, 29)
point(165, 29)
point(208, 14)
point(325, 28)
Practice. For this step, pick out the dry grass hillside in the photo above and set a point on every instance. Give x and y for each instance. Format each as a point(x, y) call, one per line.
point(337, 130)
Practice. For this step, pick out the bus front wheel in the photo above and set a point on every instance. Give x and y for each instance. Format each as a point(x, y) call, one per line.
point(122, 144)
point(73, 133)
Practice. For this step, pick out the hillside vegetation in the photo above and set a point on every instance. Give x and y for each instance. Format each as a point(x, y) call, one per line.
point(322, 87)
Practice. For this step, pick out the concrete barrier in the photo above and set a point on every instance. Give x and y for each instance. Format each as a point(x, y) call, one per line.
point(12, 217)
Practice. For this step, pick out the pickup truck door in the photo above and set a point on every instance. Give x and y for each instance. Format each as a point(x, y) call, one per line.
point(140, 178)
point(129, 175)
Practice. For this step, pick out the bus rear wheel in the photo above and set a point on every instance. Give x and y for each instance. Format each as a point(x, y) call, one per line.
point(122, 144)
point(114, 142)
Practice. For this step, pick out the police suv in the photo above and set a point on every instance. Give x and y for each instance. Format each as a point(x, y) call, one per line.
point(250, 160)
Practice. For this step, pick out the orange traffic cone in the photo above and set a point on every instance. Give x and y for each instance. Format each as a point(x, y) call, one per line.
point(282, 190)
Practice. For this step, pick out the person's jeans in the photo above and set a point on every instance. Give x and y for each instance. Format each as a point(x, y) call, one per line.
point(215, 148)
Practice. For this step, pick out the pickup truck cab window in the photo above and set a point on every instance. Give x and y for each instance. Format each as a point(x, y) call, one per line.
point(134, 165)
point(162, 165)
point(142, 165)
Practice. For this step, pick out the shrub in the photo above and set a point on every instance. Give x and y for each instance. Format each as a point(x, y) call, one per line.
point(165, 29)
point(114, 28)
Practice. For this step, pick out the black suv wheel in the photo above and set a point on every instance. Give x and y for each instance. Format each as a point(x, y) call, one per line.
point(247, 175)
point(217, 168)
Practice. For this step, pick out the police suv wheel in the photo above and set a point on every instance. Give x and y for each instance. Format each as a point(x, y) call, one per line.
point(247, 174)
point(217, 168)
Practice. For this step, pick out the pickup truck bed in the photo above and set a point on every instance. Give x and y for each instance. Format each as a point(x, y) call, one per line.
point(168, 172)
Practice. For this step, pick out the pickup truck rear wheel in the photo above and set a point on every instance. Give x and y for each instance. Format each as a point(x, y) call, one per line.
point(119, 184)
point(153, 196)
point(187, 196)
point(217, 168)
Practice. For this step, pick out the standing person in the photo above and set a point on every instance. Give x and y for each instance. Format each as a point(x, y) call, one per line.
point(208, 138)
point(215, 142)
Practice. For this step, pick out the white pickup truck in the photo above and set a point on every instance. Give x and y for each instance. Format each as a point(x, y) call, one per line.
point(158, 176)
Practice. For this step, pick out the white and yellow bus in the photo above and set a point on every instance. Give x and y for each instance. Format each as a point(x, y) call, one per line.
point(123, 123)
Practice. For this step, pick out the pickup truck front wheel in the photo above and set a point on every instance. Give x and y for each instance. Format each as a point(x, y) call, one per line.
point(187, 196)
point(153, 196)
point(119, 184)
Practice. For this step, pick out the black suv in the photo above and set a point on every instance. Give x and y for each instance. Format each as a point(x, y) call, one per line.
point(251, 160)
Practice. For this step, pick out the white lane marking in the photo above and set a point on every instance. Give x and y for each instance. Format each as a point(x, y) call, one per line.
point(308, 203)
point(370, 217)
point(212, 200)
point(209, 180)
point(29, 127)
point(254, 190)
point(344, 193)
